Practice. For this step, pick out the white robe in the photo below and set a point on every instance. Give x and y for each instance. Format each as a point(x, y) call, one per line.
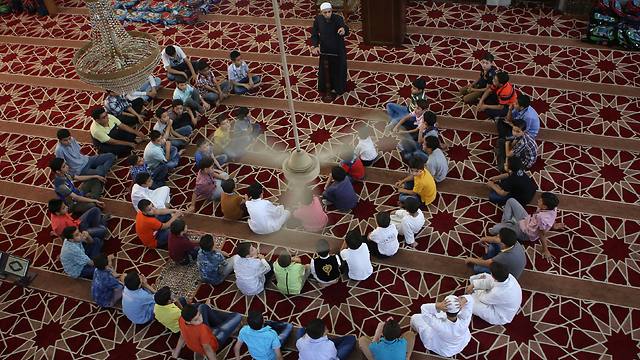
point(439, 334)
point(158, 197)
point(265, 217)
point(496, 302)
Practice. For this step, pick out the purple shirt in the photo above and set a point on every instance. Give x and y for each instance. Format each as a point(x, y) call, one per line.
point(541, 220)
point(341, 194)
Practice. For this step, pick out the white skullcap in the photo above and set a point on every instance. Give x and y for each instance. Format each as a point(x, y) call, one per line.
point(452, 304)
point(325, 6)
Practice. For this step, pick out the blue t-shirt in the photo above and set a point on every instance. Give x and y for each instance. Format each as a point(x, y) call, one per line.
point(261, 343)
point(530, 116)
point(138, 305)
point(389, 350)
point(103, 286)
point(342, 195)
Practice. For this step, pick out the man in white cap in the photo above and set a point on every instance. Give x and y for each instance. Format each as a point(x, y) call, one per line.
point(444, 326)
point(327, 37)
point(497, 297)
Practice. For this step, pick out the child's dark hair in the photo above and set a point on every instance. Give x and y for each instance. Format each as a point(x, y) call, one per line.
point(162, 296)
point(177, 102)
point(315, 329)
point(170, 50)
point(133, 159)
point(284, 259)
point(244, 249)
point(234, 55)
point(142, 178)
point(430, 118)
point(499, 271)
point(417, 163)
point(524, 100)
point(411, 204)
point(62, 134)
point(155, 135)
point(391, 330)
point(520, 124)
point(56, 164)
point(432, 142)
point(178, 226)
point(422, 104)
point(242, 112)
point(549, 200)
point(188, 312)
point(159, 112)
point(322, 247)
point(383, 219)
point(67, 232)
point(100, 261)
point(200, 65)
point(132, 280)
point(228, 186)
point(354, 239)
point(255, 320)
point(96, 113)
point(255, 190)
point(206, 163)
point(144, 204)
point(508, 237)
point(419, 83)
point(206, 243)
point(515, 164)
point(502, 77)
point(488, 56)
point(55, 205)
point(338, 173)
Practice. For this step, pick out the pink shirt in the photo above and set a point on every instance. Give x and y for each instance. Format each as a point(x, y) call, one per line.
point(419, 119)
point(312, 216)
point(541, 220)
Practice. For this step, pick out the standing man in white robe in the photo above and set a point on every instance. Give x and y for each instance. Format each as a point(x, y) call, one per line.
point(444, 326)
point(497, 297)
point(264, 216)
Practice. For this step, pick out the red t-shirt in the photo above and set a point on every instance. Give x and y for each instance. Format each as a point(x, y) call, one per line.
point(356, 170)
point(179, 246)
point(146, 227)
point(59, 222)
point(197, 335)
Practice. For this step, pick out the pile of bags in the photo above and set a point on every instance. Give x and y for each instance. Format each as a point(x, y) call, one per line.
point(615, 23)
point(166, 12)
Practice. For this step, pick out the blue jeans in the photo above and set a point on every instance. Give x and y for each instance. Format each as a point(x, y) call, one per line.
point(282, 328)
point(344, 344)
point(146, 87)
point(494, 249)
point(396, 112)
point(87, 272)
point(223, 324)
point(174, 158)
point(409, 186)
point(92, 250)
point(194, 103)
point(98, 165)
point(162, 238)
point(211, 97)
point(186, 130)
point(159, 175)
point(241, 89)
point(91, 221)
point(495, 198)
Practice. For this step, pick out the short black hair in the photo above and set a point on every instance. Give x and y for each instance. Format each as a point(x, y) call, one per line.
point(284, 259)
point(133, 159)
point(189, 311)
point(177, 226)
point(100, 261)
point(63, 134)
point(160, 111)
point(417, 163)
point(206, 242)
point(255, 320)
point(419, 83)
point(411, 204)
point(499, 271)
point(228, 185)
point(432, 142)
point(503, 77)
point(143, 204)
point(177, 102)
point(244, 249)
point(391, 330)
point(200, 65)
point(322, 247)
point(338, 173)
point(97, 112)
point(488, 56)
point(155, 135)
point(515, 164)
point(354, 239)
point(383, 219)
point(67, 232)
point(242, 111)
point(524, 100)
point(162, 296)
point(142, 178)
point(430, 118)
point(234, 55)
point(315, 328)
point(508, 237)
point(206, 163)
point(519, 123)
point(132, 280)
point(55, 205)
point(422, 104)
point(181, 81)
point(255, 190)
point(56, 164)
point(170, 50)
point(550, 200)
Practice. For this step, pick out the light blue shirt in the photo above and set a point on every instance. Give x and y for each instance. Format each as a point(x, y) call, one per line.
point(316, 349)
point(137, 305)
point(438, 165)
point(183, 95)
point(530, 116)
point(389, 350)
point(72, 156)
point(238, 73)
point(73, 258)
point(261, 343)
point(154, 155)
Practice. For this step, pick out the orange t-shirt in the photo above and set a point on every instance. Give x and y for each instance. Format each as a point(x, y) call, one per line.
point(146, 227)
point(232, 206)
point(197, 335)
point(59, 222)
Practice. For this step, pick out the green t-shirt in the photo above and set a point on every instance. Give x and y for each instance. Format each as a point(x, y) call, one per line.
point(289, 279)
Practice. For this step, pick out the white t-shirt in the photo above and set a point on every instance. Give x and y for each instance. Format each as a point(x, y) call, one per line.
point(359, 262)
point(387, 239)
point(408, 225)
point(168, 61)
point(159, 126)
point(366, 149)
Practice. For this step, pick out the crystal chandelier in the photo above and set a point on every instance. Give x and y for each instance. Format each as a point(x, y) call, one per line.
point(115, 59)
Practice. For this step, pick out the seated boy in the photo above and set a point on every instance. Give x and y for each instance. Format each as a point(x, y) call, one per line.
point(339, 190)
point(437, 163)
point(241, 79)
point(409, 220)
point(208, 182)
point(150, 229)
point(412, 122)
point(92, 221)
point(110, 135)
point(290, 274)
point(313, 344)
point(147, 91)
point(504, 249)
point(326, 267)
point(158, 176)
point(233, 204)
point(429, 127)
point(213, 263)
point(68, 149)
point(366, 148)
point(497, 99)
point(264, 216)
point(181, 116)
point(264, 339)
point(472, 92)
point(251, 269)
point(523, 146)
point(79, 199)
point(388, 343)
point(515, 183)
point(160, 152)
point(129, 113)
point(141, 189)
point(397, 111)
point(166, 311)
point(190, 97)
point(383, 240)
point(521, 110)
point(205, 149)
point(419, 183)
point(181, 250)
point(106, 289)
point(77, 251)
point(310, 212)
point(352, 164)
point(137, 298)
point(356, 254)
point(177, 64)
point(164, 125)
point(212, 91)
point(245, 124)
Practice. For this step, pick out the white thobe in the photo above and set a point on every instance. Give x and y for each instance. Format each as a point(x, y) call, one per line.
point(265, 217)
point(250, 274)
point(158, 197)
point(408, 225)
point(439, 334)
point(496, 302)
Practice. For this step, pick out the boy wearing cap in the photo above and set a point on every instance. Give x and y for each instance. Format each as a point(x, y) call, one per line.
point(397, 111)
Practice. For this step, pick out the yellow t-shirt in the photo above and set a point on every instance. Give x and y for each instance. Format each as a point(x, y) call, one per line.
point(168, 315)
point(101, 133)
point(425, 186)
point(221, 139)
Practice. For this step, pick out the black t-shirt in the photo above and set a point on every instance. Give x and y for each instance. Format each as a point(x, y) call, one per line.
point(327, 269)
point(520, 187)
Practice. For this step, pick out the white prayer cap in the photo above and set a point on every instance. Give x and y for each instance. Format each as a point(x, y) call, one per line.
point(325, 6)
point(452, 304)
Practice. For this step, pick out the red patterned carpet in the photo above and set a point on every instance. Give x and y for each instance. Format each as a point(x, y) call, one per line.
point(588, 98)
